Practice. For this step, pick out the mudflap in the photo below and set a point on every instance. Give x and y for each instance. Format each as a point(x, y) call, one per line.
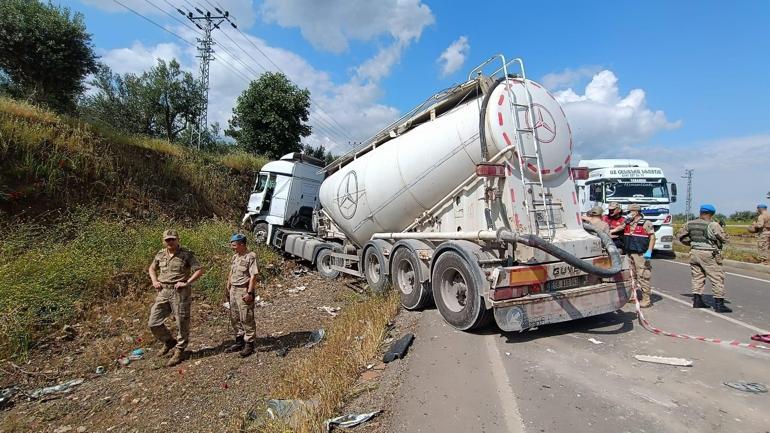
point(536, 310)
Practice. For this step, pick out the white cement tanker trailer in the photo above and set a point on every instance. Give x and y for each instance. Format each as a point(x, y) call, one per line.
point(467, 201)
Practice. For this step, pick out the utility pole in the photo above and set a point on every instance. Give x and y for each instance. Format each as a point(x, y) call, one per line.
point(206, 22)
point(688, 203)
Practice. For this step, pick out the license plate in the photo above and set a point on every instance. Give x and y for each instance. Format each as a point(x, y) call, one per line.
point(564, 283)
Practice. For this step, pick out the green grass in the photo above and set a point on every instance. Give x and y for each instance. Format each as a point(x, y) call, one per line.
point(47, 280)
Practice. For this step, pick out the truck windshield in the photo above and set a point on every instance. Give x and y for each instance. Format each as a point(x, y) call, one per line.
point(636, 190)
point(261, 182)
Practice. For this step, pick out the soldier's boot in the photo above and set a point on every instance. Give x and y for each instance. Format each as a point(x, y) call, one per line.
point(167, 347)
point(645, 302)
point(248, 349)
point(176, 359)
point(697, 301)
point(720, 307)
point(238, 345)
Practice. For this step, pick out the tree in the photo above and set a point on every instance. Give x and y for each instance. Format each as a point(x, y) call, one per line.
point(269, 116)
point(45, 53)
point(319, 152)
point(161, 102)
point(745, 215)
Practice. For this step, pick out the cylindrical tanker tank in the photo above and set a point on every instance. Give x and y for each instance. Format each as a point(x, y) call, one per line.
point(386, 189)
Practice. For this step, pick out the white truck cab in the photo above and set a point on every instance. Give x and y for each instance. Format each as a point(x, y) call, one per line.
point(284, 195)
point(626, 181)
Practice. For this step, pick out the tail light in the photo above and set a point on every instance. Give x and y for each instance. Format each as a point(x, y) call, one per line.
point(503, 293)
point(579, 173)
point(667, 220)
point(490, 170)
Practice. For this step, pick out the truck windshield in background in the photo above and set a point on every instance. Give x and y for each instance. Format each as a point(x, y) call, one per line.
point(631, 191)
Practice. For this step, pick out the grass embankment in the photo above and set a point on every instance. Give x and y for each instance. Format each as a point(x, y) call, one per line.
point(328, 374)
point(739, 235)
point(56, 262)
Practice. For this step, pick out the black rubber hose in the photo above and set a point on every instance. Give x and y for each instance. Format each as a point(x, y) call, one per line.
point(541, 244)
point(483, 118)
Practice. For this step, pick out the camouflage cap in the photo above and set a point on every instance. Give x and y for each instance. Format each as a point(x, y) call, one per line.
point(635, 206)
point(613, 205)
point(170, 234)
point(596, 210)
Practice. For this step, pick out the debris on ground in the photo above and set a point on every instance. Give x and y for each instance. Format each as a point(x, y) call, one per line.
point(62, 388)
point(315, 338)
point(100, 369)
point(288, 411)
point(752, 387)
point(296, 290)
point(332, 311)
point(282, 352)
point(6, 395)
point(765, 338)
point(399, 348)
point(680, 362)
point(349, 421)
point(300, 271)
point(358, 289)
point(226, 305)
point(595, 341)
point(136, 354)
point(123, 361)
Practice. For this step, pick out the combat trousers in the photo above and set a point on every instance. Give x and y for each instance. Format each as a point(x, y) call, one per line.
point(763, 245)
point(642, 272)
point(172, 301)
point(704, 264)
point(242, 314)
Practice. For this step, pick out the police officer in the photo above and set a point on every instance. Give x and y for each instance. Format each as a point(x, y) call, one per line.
point(172, 271)
point(241, 286)
point(706, 238)
point(639, 239)
point(594, 217)
point(762, 227)
point(616, 222)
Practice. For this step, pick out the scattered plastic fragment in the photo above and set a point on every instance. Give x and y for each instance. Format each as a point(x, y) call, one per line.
point(62, 388)
point(315, 338)
point(136, 354)
point(226, 305)
point(296, 290)
point(100, 369)
point(399, 348)
point(752, 387)
point(349, 421)
point(680, 362)
point(123, 361)
point(289, 411)
point(332, 311)
point(6, 395)
point(595, 341)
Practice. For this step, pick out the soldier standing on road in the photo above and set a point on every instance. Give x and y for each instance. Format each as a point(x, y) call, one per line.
point(594, 217)
point(762, 227)
point(616, 222)
point(639, 237)
point(174, 285)
point(706, 238)
point(241, 284)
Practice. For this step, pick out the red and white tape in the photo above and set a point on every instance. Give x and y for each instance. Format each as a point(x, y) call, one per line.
point(648, 326)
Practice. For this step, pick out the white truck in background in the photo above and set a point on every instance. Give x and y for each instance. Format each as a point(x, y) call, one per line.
point(626, 181)
point(466, 201)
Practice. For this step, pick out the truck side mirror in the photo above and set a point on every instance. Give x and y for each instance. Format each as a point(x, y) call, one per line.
point(673, 193)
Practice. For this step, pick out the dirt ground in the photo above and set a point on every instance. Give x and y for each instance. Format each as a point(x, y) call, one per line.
point(209, 392)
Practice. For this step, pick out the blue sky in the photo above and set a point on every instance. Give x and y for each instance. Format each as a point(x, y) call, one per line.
point(682, 84)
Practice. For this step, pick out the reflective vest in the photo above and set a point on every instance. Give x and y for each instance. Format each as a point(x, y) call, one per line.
point(636, 240)
point(699, 236)
point(613, 223)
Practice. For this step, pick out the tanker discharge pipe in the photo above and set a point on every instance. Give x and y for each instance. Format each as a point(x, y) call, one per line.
point(541, 244)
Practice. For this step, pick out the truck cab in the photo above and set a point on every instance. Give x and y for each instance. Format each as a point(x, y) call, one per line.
point(627, 181)
point(285, 194)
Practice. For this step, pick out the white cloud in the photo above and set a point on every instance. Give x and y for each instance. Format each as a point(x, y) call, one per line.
point(138, 58)
point(728, 171)
point(331, 25)
point(568, 77)
point(454, 56)
point(241, 11)
point(601, 119)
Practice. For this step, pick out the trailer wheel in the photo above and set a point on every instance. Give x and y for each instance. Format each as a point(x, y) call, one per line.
point(405, 273)
point(456, 291)
point(374, 270)
point(324, 264)
point(260, 233)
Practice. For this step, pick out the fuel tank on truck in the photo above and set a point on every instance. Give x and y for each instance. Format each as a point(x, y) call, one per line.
point(385, 189)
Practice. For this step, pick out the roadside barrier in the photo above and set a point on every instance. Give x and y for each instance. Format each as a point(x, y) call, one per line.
point(648, 326)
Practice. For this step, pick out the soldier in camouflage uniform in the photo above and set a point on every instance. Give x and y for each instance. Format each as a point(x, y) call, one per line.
point(762, 227)
point(706, 238)
point(594, 217)
point(241, 286)
point(172, 271)
point(639, 241)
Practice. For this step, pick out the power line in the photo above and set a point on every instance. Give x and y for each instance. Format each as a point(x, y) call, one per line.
point(688, 202)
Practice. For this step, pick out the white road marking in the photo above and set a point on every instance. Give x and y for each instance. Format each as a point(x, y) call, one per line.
point(728, 273)
point(715, 314)
point(505, 394)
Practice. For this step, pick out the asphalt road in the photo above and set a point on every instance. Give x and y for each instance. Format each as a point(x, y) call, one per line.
point(554, 379)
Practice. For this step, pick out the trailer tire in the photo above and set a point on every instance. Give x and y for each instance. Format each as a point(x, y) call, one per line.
point(323, 264)
point(405, 272)
point(374, 270)
point(456, 291)
point(260, 233)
